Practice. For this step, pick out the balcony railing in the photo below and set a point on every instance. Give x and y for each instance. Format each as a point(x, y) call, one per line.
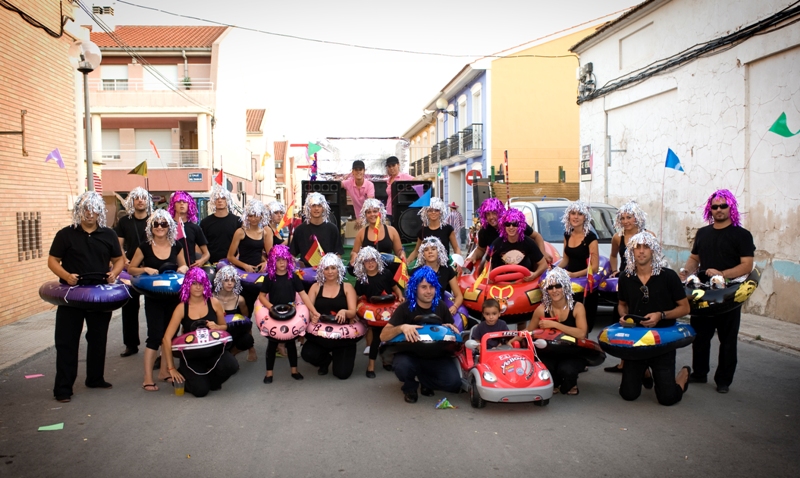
point(141, 85)
point(472, 137)
point(419, 167)
point(453, 143)
point(170, 158)
point(442, 150)
point(412, 168)
point(426, 165)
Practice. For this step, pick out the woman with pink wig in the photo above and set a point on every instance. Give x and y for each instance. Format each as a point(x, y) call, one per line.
point(183, 210)
point(198, 308)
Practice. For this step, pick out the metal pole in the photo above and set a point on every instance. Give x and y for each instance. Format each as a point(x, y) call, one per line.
point(88, 128)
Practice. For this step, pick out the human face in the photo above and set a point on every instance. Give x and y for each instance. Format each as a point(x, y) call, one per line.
point(317, 211)
point(253, 219)
point(227, 285)
point(425, 293)
point(196, 289)
point(393, 170)
point(434, 214)
point(221, 204)
point(556, 292)
point(628, 222)
point(512, 230)
point(372, 215)
point(721, 214)
point(281, 266)
point(370, 265)
point(331, 274)
point(642, 254)
point(140, 205)
point(89, 218)
point(276, 217)
point(576, 219)
point(358, 174)
point(430, 254)
point(158, 229)
point(181, 207)
point(491, 315)
point(491, 218)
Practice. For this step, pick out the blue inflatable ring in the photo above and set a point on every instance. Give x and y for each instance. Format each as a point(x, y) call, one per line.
point(435, 341)
point(641, 343)
point(167, 284)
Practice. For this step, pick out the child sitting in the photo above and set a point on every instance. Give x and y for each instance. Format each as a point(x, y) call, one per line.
point(492, 323)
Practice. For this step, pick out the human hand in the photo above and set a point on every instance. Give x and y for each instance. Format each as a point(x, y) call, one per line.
point(341, 316)
point(182, 270)
point(548, 258)
point(176, 376)
point(652, 319)
point(150, 271)
point(529, 278)
point(400, 299)
point(614, 274)
point(410, 331)
point(713, 272)
point(314, 316)
point(548, 324)
point(72, 279)
point(261, 267)
point(453, 328)
point(573, 275)
point(468, 265)
point(196, 264)
point(248, 268)
point(453, 309)
point(111, 278)
point(683, 274)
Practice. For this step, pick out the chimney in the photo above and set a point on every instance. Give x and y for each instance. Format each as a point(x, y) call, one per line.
point(106, 15)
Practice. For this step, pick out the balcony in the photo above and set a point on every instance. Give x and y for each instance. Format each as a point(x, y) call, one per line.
point(170, 158)
point(472, 140)
point(453, 144)
point(442, 150)
point(418, 168)
point(110, 95)
point(426, 165)
point(412, 168)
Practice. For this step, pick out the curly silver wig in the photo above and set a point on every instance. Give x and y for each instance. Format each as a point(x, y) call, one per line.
point(438, 205)
point(555, 276)
point(138, 193)
point(314, 199)
point(158, 216)
point(89, 201)
point(366, 253)
point(650, 241)
point(330, 259)
point(579, 207)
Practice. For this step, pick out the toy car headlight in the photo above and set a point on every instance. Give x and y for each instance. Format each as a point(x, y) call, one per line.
point(544, 375)
point(489, 377)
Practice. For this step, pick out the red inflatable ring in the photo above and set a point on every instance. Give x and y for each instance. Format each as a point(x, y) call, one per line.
point(508, 273)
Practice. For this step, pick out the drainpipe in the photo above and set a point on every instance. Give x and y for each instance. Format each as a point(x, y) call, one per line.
point(185, 65)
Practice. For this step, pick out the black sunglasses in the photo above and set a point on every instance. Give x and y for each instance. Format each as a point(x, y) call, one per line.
point(554, 286)
point(645, 294)
point(512, 224)
point(162, 224)
point(719, 206)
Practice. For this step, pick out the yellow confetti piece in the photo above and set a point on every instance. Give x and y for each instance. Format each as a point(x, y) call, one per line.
point(188, 456)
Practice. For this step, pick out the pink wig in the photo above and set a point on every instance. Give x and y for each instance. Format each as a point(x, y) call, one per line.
point(195, 274)
point(280, 251)
point(490, 205)
point(191, 211)
point(511, 215)
point(729, 198)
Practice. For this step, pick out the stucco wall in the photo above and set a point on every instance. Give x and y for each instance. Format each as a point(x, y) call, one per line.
point(715, 114)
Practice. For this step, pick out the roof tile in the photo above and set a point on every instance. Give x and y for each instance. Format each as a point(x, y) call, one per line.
point(254, 118)
point(141, 36)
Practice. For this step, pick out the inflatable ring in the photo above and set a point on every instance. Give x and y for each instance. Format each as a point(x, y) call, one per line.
point(607, 289)
point(282, 329)
point(238, 321)
point(382, 299)
point(157, 286)
point(508, 273)
point(428, 319)
point(461, 317)
point(335, 334)
point(282, 312)
point(250, 280)
point(201, 344)
point(579, 284)
point(710, 302)
point(211, 271)
point(559, 344)
point(435, 341)
point(517, 300)
point(376, 314)
point(101, 297)
point(641, 343)
point(306, 274)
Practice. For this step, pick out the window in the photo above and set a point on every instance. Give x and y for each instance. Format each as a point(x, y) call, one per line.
point(114, 77)
point(477, 109)
point(462, 112)
point(29, 235)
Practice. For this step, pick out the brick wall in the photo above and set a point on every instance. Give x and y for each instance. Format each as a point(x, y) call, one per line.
point(570, 191)
point(35, 75)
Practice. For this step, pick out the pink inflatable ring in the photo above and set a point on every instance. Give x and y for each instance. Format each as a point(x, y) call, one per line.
point(281, 326)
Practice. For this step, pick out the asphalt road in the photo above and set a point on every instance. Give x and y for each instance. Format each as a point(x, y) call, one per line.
point(324, 427)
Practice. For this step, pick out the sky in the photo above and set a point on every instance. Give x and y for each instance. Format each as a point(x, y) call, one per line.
point(313, 90)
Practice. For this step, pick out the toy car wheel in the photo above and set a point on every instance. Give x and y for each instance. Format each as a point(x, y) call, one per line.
point(474, 396)
point(542, 403)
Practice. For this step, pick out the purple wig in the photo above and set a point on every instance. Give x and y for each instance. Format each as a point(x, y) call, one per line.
point(431, 278)
point(729, 198)
point(512, 215)
point(191, 211)
point(195, 274)
point(280, 251)
point(491, 205)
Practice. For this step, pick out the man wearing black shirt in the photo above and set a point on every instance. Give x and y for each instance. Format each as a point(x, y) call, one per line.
point(87, 246)
point(436, 373)
point(317, 212)
point(184, 210)
point(655, 293)
point(131, 232)
point(220, 227)
point(726, 249)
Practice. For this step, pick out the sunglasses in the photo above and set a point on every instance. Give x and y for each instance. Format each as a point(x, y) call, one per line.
point(512, 224)
point(645, 294)
point(554, 286)
point(162, 224)
point(719, 206)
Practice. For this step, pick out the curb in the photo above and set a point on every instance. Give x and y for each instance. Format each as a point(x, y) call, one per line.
point(773, 345)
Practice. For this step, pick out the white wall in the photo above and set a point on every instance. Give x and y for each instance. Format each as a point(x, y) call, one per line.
point(230, 114)
point(715, 114)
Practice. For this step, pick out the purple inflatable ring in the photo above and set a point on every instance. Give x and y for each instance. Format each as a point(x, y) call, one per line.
point(102, 298)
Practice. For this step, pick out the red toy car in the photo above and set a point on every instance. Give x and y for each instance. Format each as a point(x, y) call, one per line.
point(504, 373)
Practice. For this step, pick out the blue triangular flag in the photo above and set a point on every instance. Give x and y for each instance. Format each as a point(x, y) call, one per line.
point(56, 155)
point(672, 161)
point(424, 200)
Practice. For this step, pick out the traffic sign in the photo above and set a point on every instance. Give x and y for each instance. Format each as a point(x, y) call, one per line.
point(473, 175)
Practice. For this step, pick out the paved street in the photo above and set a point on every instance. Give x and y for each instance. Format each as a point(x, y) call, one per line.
point(360, 427)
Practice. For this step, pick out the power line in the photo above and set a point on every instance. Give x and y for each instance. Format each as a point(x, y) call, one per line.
point(62, 19)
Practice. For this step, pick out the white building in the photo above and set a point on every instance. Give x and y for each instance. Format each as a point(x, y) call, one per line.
point(714, 110)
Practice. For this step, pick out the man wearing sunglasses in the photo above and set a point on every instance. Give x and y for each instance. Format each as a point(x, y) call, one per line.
point(723, 248)
point(648, 290)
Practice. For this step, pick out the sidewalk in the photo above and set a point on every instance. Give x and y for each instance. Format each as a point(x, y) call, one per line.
point(29, 337)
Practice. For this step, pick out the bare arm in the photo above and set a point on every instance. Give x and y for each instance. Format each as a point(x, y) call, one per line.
point(580, 329)
point(54, 263)
point(458, 297)
point(397, 244)
point(117, 264)
point(654, 318)
point(204, 257)
point(352, 300)
point(237, 238)
point(166, 343)
point(182, 268)
point(356, 248)
point(614, 253)
point(744, 267)
point(122, 248)
point(133, 267)
point(539, 240)
point(413, 254)
point(454, 243)
point(410, 331)
point(691, 266)
point(219, 311)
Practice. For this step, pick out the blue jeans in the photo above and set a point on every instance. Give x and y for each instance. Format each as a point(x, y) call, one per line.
point(436, 374)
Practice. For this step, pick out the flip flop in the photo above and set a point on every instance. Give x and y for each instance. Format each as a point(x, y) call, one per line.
point(577, 391)
point(150, 387)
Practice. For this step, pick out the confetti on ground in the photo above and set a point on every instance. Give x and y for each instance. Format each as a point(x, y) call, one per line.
point(50, 428)
point(36, 375)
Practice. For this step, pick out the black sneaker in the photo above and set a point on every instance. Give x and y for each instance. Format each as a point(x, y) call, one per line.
point(723, 389)
point(693, 378)
point(129, 351)
point(103, 384)
point(411, 397)
point(428, 392)
point(322, 370)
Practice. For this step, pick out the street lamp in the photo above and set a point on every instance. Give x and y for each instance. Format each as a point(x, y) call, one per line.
point(90, 58)
point(259, 178)
point(441, 105)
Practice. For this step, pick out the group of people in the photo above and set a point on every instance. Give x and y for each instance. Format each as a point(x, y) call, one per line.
point(150, 241)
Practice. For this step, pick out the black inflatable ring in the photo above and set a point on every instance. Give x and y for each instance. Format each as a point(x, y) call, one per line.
point(428, 319)
point(382, 299)
point(282, 312)
point(328, 319)
point(198, 324)
point(167, 267)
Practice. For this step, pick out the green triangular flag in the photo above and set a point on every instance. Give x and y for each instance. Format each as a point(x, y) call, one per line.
point(52, 428)
point(141, 169)
point(313, 148)
point(780, 127)
point(444, 403)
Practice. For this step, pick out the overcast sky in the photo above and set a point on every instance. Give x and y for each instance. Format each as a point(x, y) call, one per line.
point(315, 90)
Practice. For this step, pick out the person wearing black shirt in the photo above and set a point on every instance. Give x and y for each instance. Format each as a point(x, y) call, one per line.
point(86, 246)
point(580, 251)
point(648, 290)
point(130, 230)
point(317, 225)
point(723, 248)
point(276, 213)
point(183, 209)
point(435, 257)
point(434, 223)
point(220, 227)
point(422, 297)
point(513, 249)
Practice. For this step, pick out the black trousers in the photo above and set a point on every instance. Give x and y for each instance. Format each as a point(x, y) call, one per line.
point(158, 312)
point(272, 349)
point(242, 338)
point(565, 371)
point(375, 345)
point(436, 373)
point(69, 325)
point(590, 304)
point(130, 320)
point(727, 328)
point(663, 369)
point(343, 358)
point(199, 385)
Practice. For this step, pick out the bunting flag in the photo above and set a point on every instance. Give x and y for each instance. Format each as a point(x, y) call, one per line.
point(589, 275)
point(424, 200)
point(140, 169)
point(401, 276)
point(780, 127)
point(155, 149)
point(219, 178)
point(181, 232)
point(672, 161)
point(315, 253)
point(419, 188)
point(285, 220)
point(485, 273)
point(313, 148)
point(56, 156)
point(264, 158)
point(377, 229)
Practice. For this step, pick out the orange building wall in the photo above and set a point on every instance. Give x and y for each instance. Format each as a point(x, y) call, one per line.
point(35, 75)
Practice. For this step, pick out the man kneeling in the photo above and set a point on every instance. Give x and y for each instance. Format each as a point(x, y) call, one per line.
point(422, 297)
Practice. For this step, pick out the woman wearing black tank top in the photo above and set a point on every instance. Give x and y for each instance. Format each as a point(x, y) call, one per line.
point(249, 246)
point(580, 248)
point(331, 295)
point(228, 290)
point(197, 304)
point(560, 311)
point(387, 240)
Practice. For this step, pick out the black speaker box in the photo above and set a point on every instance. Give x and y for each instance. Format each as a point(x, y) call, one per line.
point(480, 192)
point(404, 218)
point(334, 193)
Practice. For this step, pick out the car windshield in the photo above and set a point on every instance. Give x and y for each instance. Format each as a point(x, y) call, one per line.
point(552, 230)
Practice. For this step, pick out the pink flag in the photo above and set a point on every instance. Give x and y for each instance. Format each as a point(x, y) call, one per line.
point(155, 149)
point(181, 233)
point(419, 189)
point(55, 155)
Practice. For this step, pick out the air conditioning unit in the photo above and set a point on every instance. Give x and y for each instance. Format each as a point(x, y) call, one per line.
point(239, 186)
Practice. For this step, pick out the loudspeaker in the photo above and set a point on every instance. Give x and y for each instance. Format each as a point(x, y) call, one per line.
point(481, 191)
point(334, 193)
point(381, 194)
point(405, 219)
